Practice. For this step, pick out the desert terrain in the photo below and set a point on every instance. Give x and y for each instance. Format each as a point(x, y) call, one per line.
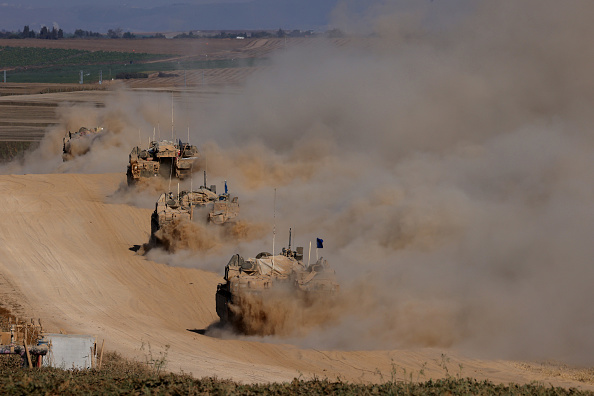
point(448, 180)
point(66, 259)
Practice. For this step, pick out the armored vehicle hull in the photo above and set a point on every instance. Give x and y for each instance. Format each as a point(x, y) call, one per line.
point(73, 144)
point(255, 280)
point(171, 208)
point(164, 158)
point(224, 210)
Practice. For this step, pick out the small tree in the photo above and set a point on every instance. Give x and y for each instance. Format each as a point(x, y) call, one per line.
point(117, 33)
point(44, 33)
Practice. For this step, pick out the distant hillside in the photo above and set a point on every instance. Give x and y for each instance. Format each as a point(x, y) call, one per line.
point(256, 14)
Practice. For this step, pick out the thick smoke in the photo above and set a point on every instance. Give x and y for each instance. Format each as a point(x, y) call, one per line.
point(447, 170)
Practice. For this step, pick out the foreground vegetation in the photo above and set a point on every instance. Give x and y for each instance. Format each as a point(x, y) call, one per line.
point(120, 376)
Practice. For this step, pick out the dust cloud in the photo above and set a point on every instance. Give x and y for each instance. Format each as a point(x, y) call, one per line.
point(284, 312)
point(197, 235)
point(446, 166)
point(447, 171)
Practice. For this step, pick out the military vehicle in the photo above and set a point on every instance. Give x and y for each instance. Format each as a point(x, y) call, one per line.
point(171, 207)
point(256, 278)
point(71, 139)
point(224, 209)
point(162, 158)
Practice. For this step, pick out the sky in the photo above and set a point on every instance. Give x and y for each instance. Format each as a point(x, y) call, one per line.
point(173, 16)
point(131, 3)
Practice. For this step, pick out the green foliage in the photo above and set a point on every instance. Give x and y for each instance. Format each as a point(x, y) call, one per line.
point(33, 57)
point(86, 33)
point(157, 362)
point(120, 376)
point(126, 76)
point(71, 73)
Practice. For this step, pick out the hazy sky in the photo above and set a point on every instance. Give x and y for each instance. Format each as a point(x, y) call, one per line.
point(131, 3)
point(164, 16)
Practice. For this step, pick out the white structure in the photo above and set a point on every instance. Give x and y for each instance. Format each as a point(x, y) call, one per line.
point(70, 351)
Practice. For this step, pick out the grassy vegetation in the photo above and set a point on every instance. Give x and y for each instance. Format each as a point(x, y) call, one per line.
point(120, 376)
point(30, 57)
point(123, 376)
point(71, 73)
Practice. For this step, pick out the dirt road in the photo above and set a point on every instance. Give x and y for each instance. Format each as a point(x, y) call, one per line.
point(66, 259)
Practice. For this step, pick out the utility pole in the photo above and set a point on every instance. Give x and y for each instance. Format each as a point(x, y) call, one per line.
point(81, 77)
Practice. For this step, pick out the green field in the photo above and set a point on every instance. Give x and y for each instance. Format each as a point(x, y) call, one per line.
point(43, 65)
point(32, 57)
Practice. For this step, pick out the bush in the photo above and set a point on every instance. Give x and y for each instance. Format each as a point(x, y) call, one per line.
point(126, 76)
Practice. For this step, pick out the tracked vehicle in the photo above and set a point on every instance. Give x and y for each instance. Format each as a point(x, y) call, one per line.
point(78, 143)
point(224, 209)
point(257, 278)
point(171, 207)
point(163, 158)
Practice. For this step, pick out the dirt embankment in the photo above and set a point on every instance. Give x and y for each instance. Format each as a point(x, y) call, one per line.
point(67, 260)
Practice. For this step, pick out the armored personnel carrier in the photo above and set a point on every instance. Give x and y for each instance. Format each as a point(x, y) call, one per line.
point(172, 207)
point(73, 142)
point(224, 209)
point(164, 158)
point(255, 279)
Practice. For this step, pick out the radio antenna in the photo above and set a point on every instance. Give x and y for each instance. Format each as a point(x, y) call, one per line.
point(273, 231)
point(172, 115)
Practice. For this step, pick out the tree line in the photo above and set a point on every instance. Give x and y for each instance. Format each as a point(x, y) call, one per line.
point(56, 34)
point(44, 33)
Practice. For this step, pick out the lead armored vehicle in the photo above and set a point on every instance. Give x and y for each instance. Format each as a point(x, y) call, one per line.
point(163, 158)
point(249, 282)
point(79, 142)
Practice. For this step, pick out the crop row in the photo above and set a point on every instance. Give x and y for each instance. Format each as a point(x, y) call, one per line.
point(92, 72)
point(31, 57)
